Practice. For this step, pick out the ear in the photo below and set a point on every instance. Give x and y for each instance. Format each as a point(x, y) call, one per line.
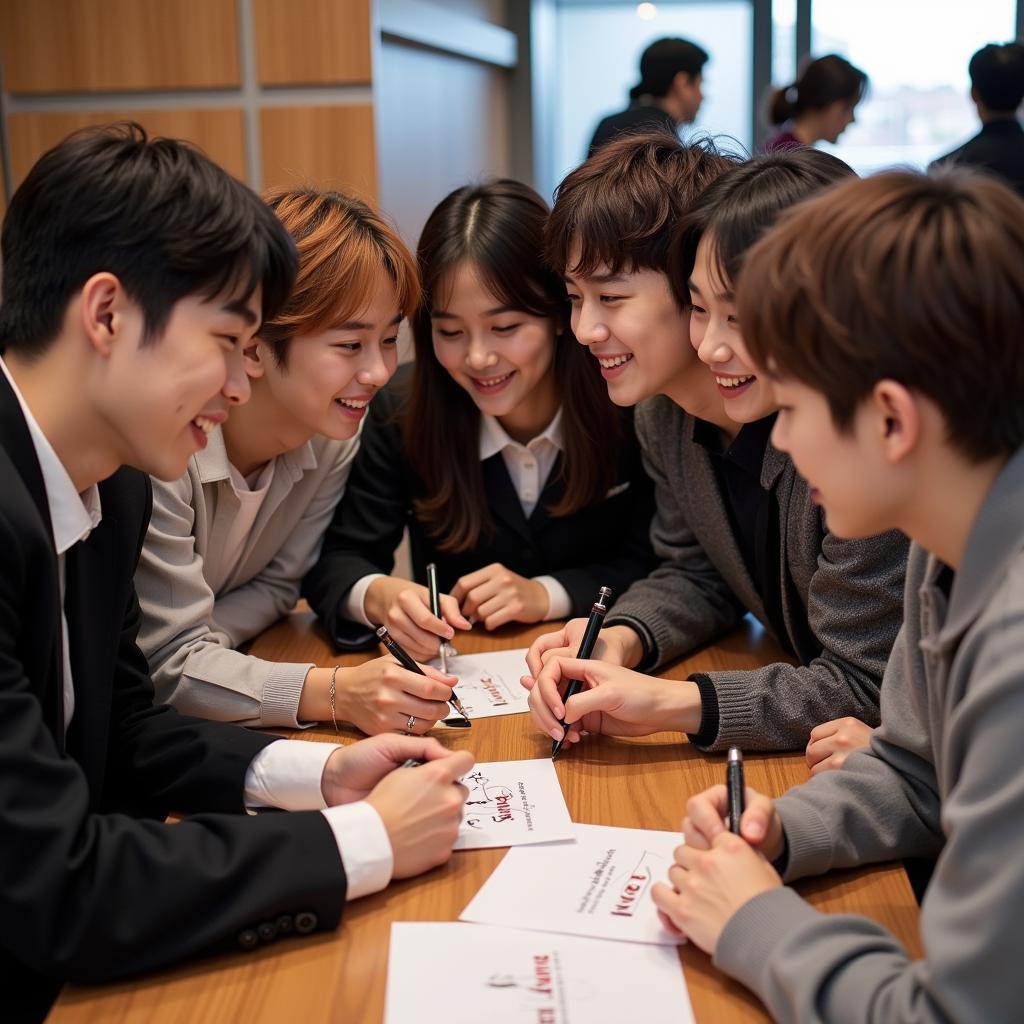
point(103, 308)
point(897, 416)
point(254, 355)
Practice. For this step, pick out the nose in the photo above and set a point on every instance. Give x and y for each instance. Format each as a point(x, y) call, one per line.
point(236, 387)
point(479, 354)
point(711, 349)
point(588, 324)
point(376, 369)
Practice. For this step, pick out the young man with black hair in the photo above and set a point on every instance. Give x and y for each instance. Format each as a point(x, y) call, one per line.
point(897, 362)
point(135, 273)
point(997, 89)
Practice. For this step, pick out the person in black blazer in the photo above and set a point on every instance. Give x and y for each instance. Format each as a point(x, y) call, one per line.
point(134, 271)
point(498, 449)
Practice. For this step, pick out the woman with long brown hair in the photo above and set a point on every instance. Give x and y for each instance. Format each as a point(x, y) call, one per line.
point(498, 448)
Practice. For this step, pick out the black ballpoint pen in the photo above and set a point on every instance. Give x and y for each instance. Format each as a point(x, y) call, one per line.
point(399, 653)
point(734, 788)
point(435, 610)
point(594, 623)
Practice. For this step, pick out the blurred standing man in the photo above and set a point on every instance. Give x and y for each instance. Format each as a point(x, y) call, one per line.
point(997, 89)
point(667, 95)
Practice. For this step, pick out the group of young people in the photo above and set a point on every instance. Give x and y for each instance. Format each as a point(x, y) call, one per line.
point(717, 386)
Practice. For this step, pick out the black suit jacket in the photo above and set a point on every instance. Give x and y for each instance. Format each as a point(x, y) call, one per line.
point(93, 884)
point(998, 148)
point(605, 544)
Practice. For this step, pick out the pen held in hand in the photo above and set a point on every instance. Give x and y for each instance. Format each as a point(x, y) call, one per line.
point(445, 649)
point(594, 623)
point(735, 788)
point(398, 652)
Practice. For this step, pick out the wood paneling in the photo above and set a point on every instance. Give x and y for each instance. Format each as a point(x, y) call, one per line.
point(51, 46)
point(326, 146)
point(307, 42)
point(218, 132)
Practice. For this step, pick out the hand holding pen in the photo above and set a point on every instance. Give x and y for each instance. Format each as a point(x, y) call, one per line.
point(405, 608)
point(594, 623)
point(395, 649)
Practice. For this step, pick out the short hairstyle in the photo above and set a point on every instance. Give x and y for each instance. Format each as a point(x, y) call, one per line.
point(662, 61)
point(820, 84)
point(914, 278)
point(737, 208)
point(497, 228)
point(156, 213)
point(621, 206)
point(997, 76)
point(345, 248)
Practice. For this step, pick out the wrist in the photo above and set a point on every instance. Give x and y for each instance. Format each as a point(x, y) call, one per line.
point(680, 706)
point(315, 701)
point(376, 600)
point(627, 644)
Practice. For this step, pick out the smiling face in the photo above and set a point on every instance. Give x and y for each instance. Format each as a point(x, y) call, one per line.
point(502, 358)
point(330, 377)
point(715, 337)
point(160, 400)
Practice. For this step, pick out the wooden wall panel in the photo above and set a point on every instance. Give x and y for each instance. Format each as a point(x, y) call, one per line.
point(53, 46)
point(327, 146)
point(219, 133)
point(312, 42)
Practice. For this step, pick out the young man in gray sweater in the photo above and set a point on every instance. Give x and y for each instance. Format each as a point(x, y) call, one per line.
point(893, 334)
point(735, 530)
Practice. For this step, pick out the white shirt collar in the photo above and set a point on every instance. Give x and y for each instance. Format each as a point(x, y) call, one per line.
point(494, 439)
point(73, 516)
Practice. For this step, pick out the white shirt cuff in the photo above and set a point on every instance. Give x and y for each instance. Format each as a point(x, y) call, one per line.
point(354, 599)
point(288, 774)
point(364, 847)
point(559, 602)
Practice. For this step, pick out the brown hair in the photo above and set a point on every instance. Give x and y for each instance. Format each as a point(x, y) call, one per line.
point(621, 206)
point(498, 228)
point(344, 248)
point(821, 83)
point(914, 278)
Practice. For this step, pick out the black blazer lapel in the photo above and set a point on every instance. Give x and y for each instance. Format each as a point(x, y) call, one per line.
point(502, 497)
point(17, 442)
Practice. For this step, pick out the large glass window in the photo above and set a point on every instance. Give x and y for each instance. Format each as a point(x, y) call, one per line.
point(599, 47)
point(916, 54)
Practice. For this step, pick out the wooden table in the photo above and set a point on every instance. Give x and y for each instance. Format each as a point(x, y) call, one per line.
point(636, 783)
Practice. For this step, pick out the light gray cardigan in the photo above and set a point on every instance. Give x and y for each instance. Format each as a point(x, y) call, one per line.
point(189, 633)
point(849, 593)
point(945, 771)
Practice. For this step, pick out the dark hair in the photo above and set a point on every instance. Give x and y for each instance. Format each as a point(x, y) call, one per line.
point(345, 247)
point(821, 83)
point(662, 61)
point(742, 204)
point(997, 76)
point(498, 229)
point(621, 206)
point(902, 276)
point(156, 213)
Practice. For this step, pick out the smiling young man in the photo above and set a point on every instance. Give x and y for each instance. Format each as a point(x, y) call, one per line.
point(734, 530)
point(894, 338)
point(135, 272)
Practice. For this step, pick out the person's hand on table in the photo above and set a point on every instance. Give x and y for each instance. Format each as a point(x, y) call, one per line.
point(832, 742)
point(615, 702)
point(716, 872)
point(404, 607)
point(495, 596)
point(351, 772)
point(616, 645)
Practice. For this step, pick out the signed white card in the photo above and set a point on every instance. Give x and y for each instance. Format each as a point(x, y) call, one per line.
point(488, 683)
point(599, 886)
point(511, 803)
point(506, 976)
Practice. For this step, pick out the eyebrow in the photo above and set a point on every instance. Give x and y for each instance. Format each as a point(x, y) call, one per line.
point(721, 296)
point(361, 325)
point(443, 314)
point(598, 278)
point(241, 308)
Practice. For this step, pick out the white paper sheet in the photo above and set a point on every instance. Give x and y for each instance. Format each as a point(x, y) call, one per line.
point(511, 803)
point(599, 886)
point(489, 683)
point(506, 976)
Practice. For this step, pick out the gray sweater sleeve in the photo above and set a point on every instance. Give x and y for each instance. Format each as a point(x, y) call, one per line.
point(808, 966)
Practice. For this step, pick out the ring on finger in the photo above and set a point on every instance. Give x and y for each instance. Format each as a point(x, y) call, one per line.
point(410, 724)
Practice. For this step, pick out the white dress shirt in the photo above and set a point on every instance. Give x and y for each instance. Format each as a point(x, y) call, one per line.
point(284, 774)
point(529, 466)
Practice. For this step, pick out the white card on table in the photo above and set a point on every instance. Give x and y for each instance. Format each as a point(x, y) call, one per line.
point(506, 976)
point(511, 803)
point(599, 886)
point(489, 683)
